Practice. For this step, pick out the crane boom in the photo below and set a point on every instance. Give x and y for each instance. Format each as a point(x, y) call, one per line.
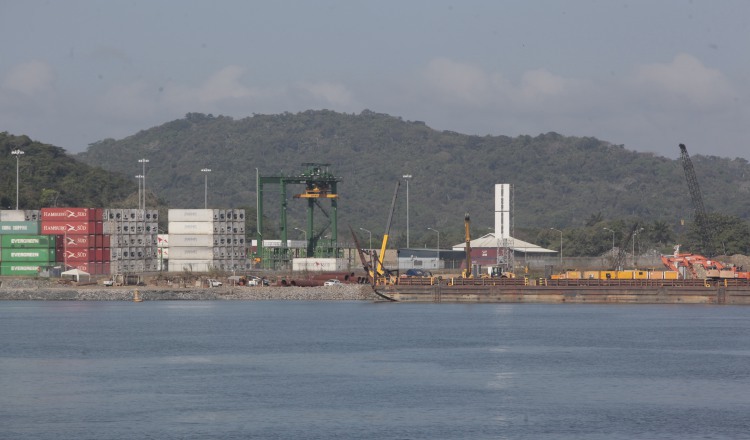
point(701, 218)
point(467, 236)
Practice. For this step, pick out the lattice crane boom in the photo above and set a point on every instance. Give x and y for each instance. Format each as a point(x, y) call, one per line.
point(701, 218)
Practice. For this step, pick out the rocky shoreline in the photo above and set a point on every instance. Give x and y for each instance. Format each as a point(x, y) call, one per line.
point(36, 290)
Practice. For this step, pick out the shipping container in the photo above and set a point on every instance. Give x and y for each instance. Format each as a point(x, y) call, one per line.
point(190, 215)
point(70, 214)
point(608, 274)
point(181, 240)
point(20, 269)
point(70, 228)
point(19, 228)
point(591, 275)
point(187, 228)
point(32, 215)
point(7, 215)
point(190, 265)
point(39, 255)
point(624, 274)
point(79, 254)
point(323, 265)
point(655, 275)
point(27, 241)
point(79, 241)
point(191, 253)
point(640, 275)
point(162, 240)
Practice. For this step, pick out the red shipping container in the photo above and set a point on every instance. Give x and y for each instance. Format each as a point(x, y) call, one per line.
point(82, 265)
point(78, 241)
point(106, 241)
point(98, 241)
point(106, 255)
point(106, 268)
point(79, 255)
point(67, 228)
point(99, 254)
point(68, 214)
point(99, 215)
point(99, 229)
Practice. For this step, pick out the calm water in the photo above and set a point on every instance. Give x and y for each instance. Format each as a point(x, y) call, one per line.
point(355, 370)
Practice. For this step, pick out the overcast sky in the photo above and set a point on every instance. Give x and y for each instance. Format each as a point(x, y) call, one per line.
point(646, 74)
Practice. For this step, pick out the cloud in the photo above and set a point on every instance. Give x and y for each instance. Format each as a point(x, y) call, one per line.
point(459, 82)
point(30, 78)
point(330, 93)
point(685, 80)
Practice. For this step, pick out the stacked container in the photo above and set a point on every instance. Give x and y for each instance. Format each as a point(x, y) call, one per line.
point(133, 239)
point(204, 239)
point(23, 252)
point(81, 241)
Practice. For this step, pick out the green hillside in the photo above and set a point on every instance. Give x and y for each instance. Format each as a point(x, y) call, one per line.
point(48, 176)
point(560, 182)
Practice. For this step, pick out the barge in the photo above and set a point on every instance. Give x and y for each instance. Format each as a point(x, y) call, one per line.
point(525, 290)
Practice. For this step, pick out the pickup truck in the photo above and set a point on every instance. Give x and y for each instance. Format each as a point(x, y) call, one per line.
point(108, 283)
point(214, 283)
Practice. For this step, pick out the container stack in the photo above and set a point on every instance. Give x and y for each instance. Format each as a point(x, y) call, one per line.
point(23, 252)
point(201, 240)
point(132, 236)
point(82, 243)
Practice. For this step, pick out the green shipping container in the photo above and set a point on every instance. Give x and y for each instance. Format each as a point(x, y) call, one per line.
point(19, 228)
point(27, 241)
point(19, 269)
point(38, 256)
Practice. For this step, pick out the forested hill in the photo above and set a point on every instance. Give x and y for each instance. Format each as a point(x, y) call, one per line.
point(48, 176)
point(559, 181)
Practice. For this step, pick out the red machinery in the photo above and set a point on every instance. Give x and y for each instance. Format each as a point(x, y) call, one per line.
point(699, 267)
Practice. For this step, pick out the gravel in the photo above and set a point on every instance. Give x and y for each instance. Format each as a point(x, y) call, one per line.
point(46, 290)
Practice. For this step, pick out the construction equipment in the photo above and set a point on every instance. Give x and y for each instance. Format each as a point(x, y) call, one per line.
point(375, 269)
point(467, 272)
point(695, 266)
point(701, 218)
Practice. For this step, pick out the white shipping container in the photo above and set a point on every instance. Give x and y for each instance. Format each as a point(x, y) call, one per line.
point(187, 228)
point(190, 215)
point(191, 253)
point(319, 264)
point(12, 216)
point(162, 240)
point(190, 265)
point(176, 240)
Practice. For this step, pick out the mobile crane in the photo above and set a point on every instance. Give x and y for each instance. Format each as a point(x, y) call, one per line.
point(374, 267)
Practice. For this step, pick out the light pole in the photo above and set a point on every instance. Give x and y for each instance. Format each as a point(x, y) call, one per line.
point(140, 178)
point(144, 162)
point(363, 229)
point(18, 153)
point(613, 241)
point(407, 177)
point(634, 234)
point(561, 255)
point(304, 232)
point(438, 247)
point(205, 187)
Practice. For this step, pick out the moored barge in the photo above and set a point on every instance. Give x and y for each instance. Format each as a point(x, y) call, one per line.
point(525, 290)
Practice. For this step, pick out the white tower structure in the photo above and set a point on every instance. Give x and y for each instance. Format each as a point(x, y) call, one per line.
point(503, 211)
point(504, 224)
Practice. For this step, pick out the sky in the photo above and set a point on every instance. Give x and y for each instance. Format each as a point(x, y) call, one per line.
point(645, 74)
